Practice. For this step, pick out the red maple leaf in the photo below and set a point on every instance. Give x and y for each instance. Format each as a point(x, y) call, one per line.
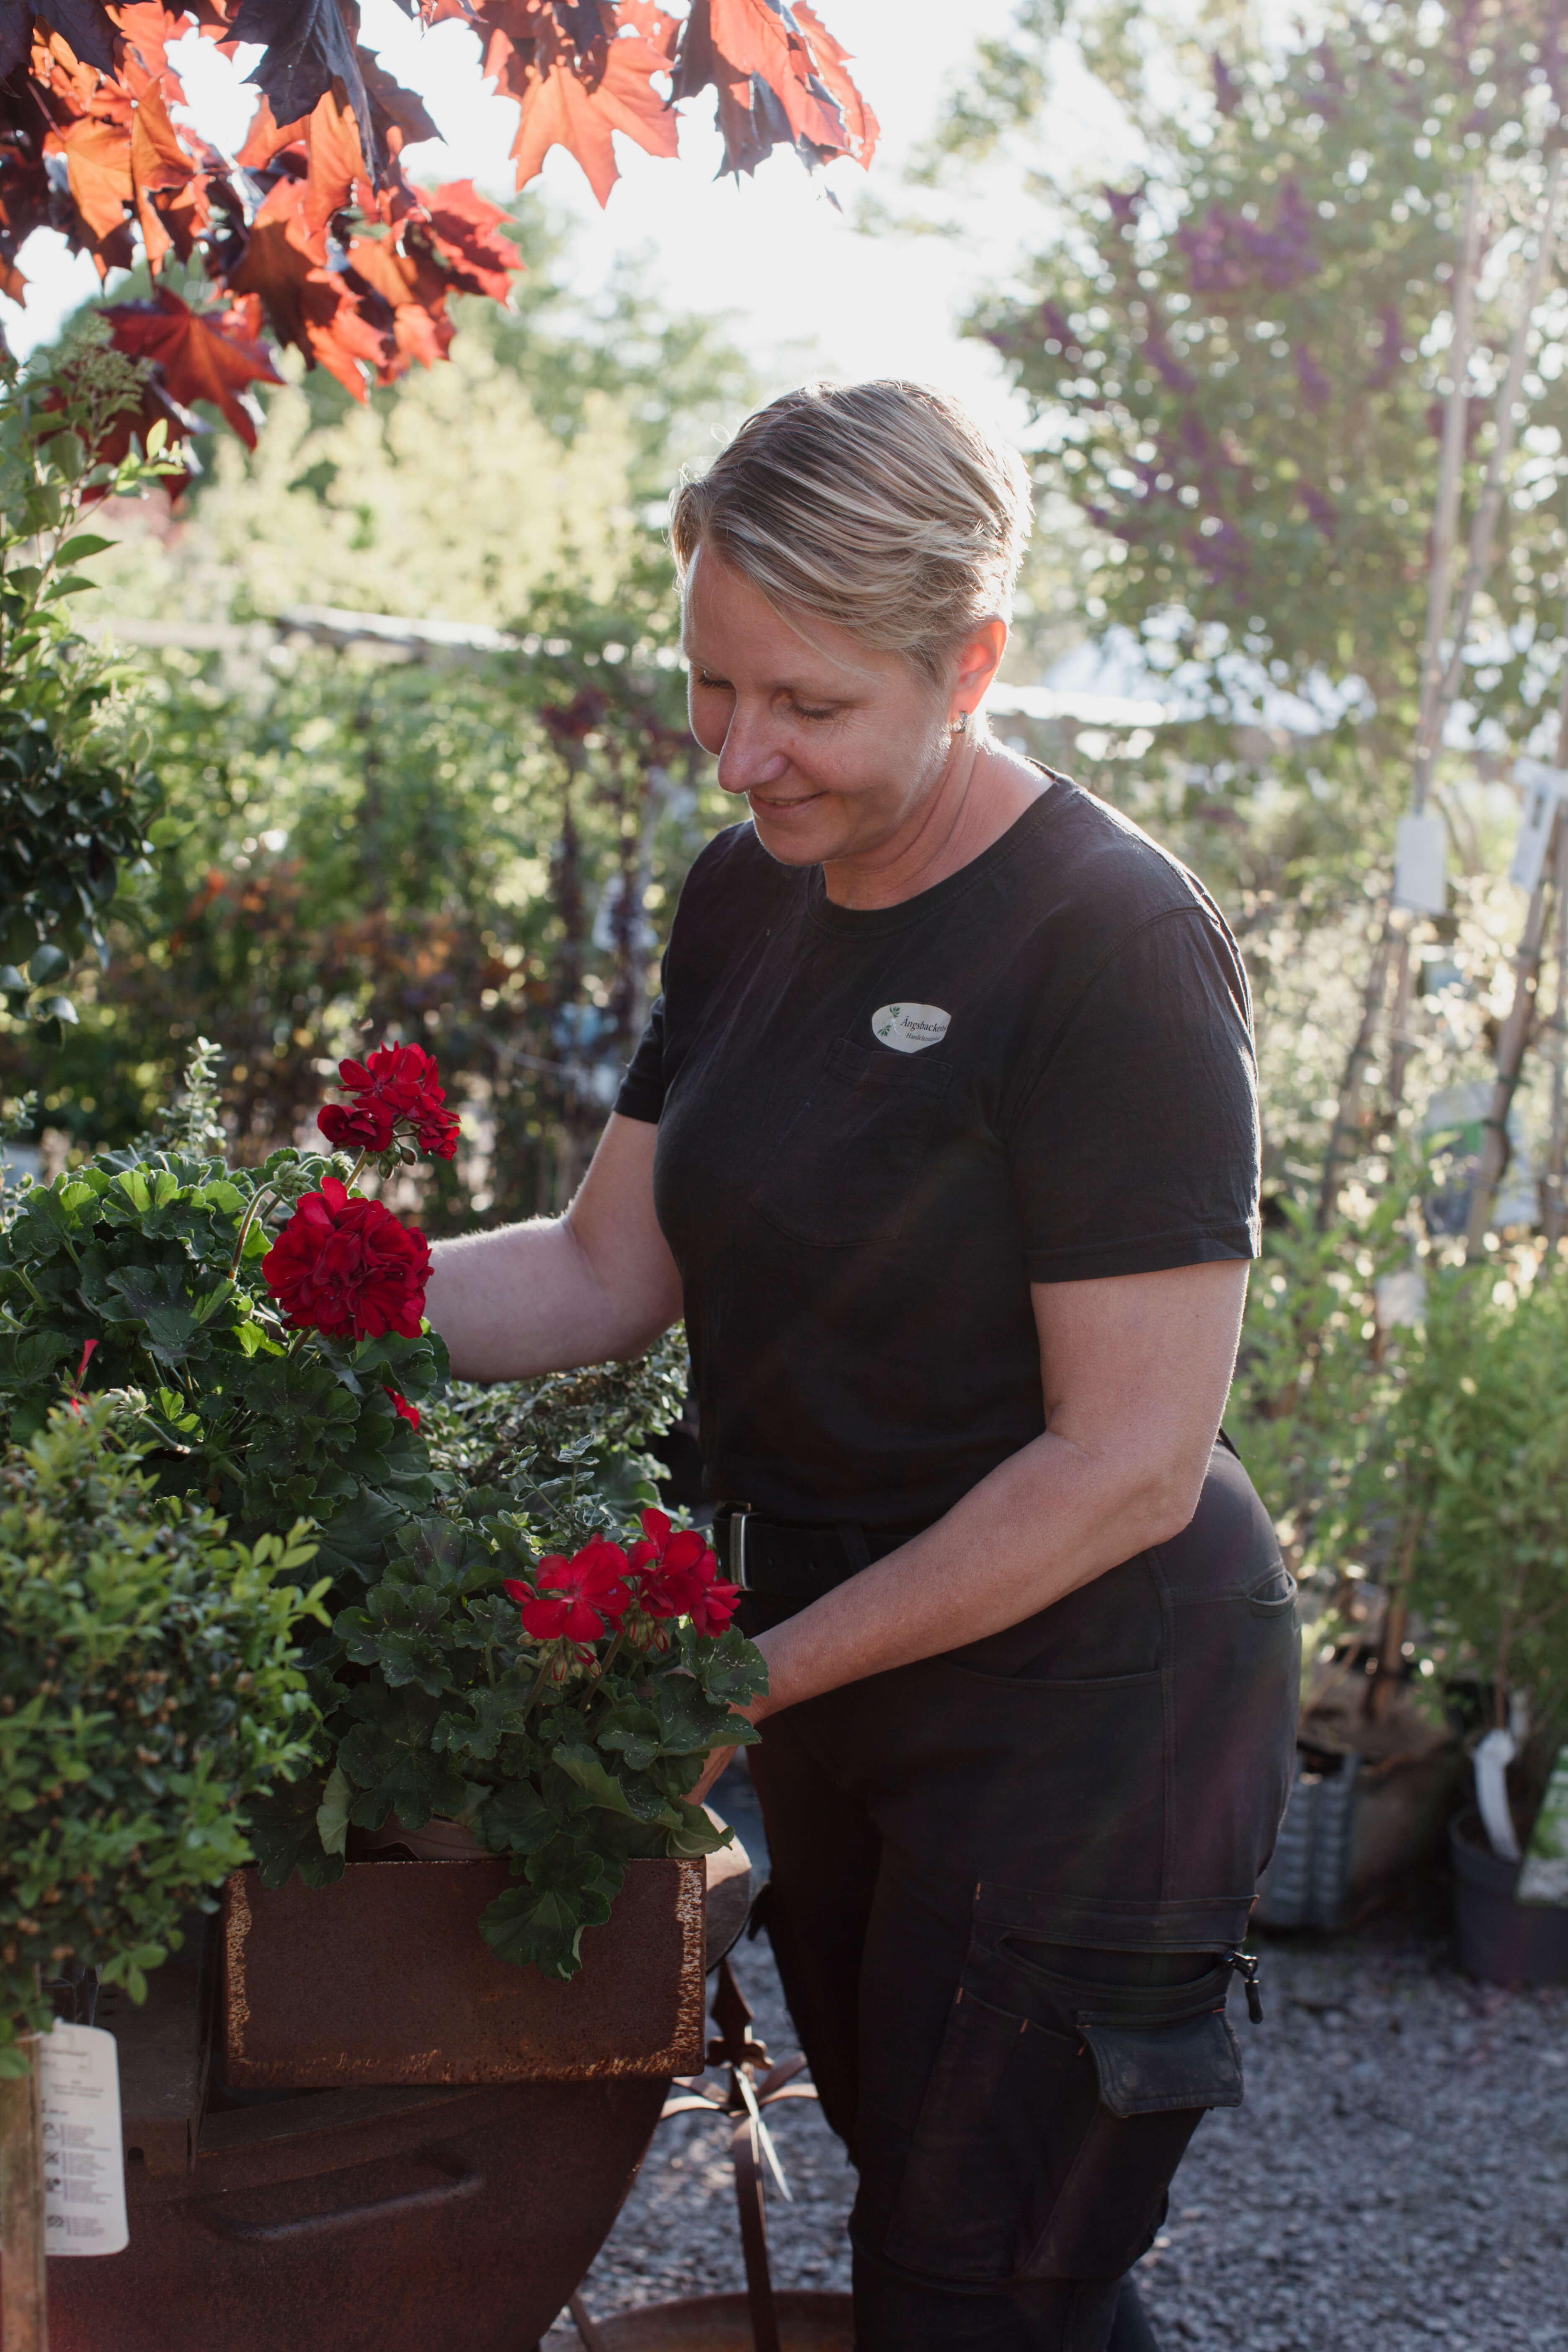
point(465, 229)
point(309, 306)
point(26, 192)
point(199, 354)
point(575, 100)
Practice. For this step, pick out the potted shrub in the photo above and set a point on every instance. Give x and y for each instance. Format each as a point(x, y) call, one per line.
point(148, 1688)
point(509, 1652)
point(1482, 1455)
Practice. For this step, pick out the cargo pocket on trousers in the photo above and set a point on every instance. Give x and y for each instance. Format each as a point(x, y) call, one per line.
point(1044, 2151)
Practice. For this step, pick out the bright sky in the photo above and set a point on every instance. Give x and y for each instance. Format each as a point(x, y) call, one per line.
point(806, 289)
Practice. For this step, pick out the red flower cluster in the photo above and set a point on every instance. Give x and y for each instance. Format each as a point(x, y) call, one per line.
point(677, 1576)
point(397, 1086)
point(347, 1267)
point(578, 1599)
point(668, 1574)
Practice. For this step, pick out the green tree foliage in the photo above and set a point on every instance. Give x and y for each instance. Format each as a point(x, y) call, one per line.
point(77, 804)
point(148, 1690)
point(475, 854)
point(1236, 357)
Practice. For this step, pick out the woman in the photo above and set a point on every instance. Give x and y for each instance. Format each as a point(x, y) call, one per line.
point(943, 1138)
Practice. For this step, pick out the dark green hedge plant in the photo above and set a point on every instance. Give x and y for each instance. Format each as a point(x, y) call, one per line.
point(149, 1687)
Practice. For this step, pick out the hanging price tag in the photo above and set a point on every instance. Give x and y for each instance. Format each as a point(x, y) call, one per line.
point(1543, 788)
point(1421, 864)
point(84, 2164)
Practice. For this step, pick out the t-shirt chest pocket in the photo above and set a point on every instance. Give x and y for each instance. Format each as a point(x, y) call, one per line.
point(844, 1168)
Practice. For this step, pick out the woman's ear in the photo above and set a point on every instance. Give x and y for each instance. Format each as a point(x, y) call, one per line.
point(979, 659)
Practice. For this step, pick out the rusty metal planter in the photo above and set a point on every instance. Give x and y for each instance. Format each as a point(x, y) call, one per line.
point(379, 2220)
point(452, 2212)
point(384, 1979)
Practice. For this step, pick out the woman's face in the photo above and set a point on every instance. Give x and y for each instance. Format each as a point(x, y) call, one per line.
point(836, 748)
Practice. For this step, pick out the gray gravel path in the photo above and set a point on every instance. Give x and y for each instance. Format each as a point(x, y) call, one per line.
point(1397, 2179)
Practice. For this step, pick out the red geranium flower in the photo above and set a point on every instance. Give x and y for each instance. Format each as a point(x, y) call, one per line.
point(716, 1605)
point(397, 1085)
point(577, 1599)
point(347, 1267)
point(677, 1576)
point(402, 1408)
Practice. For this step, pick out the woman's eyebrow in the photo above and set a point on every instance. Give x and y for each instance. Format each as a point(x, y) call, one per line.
point(804, 688)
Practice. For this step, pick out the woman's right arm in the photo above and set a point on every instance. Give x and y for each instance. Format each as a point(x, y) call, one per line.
point(595, 1283)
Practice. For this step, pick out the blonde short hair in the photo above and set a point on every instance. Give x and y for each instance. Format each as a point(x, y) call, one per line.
point(883, 506)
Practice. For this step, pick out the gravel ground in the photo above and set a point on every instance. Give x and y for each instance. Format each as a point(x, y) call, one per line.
point(1398, 2178)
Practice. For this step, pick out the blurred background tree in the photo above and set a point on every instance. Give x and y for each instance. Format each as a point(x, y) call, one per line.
point(474, 848)
point(1235, 357)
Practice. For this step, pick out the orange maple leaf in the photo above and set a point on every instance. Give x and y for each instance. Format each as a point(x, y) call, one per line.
point(328, 142)
point(98, 165)
point(736, 47)
point(159, 165)
point(147, 27)
point(528, 57)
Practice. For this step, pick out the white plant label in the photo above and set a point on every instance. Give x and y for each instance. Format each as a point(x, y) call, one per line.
point(1421, 864)
point(1544, 788)
point(84, 2163)
point(910, 1028)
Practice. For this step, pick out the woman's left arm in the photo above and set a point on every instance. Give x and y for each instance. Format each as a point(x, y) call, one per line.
point(1136, 1368)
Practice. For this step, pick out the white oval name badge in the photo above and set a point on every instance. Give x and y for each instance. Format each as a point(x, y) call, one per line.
point(910, 1028)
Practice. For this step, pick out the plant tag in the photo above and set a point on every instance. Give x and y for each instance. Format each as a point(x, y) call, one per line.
point(1543, 788)
point(910, 1028)
point(1421, 864)
point(84, 2163)
point(1545, 1878)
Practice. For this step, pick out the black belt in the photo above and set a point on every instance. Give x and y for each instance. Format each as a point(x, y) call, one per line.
point(797, 1563)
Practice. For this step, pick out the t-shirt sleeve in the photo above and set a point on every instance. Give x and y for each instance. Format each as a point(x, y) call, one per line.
point(641, 1094)
point(1136, 1146)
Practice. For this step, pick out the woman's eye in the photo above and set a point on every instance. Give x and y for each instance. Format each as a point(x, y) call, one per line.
point(802, 711)
point(714, 685)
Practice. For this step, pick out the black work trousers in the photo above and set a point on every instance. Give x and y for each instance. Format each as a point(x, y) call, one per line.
point(1004, 1884)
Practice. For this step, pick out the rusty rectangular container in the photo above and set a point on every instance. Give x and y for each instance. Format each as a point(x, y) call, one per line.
point(385, 1977)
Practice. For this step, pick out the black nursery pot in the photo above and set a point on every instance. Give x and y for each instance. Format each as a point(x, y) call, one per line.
point(1502, 1941)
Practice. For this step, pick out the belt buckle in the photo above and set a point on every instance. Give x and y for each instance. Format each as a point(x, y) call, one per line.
point(739, 1514)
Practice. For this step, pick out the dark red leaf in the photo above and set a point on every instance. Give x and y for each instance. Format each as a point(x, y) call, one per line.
point(200, 355)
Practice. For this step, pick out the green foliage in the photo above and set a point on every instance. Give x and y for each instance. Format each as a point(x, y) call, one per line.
point(474, 853)
point(1237, 358)
point(1310, 1399)
point(148, 1691)
point(1428, 1459)
point(76, 806)
point(572, 1760)
point(153, 1256)
point(1477, 1456)
point(567, 1448)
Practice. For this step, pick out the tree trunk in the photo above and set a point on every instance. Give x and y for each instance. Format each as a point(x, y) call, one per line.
point(24, 2314)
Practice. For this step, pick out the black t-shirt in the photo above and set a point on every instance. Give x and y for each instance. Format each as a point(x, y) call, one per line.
point(878, 1127)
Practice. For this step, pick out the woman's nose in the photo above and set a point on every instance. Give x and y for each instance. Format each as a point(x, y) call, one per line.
point(751, 755)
